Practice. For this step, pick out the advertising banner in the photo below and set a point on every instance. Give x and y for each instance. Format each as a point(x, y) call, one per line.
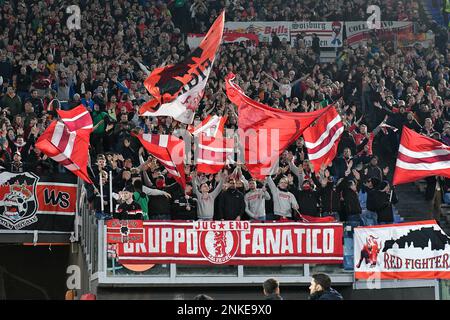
point(263, 29)
point(416, 250)
point(194, 39)
point(329, 33)
point(235, 242)
point(358, 32)
point(30, 202)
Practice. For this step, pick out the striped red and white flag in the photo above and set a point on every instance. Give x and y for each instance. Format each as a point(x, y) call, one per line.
point(77, 118)
point(212, 153)
point(322, 139)
point(169, 150)
point(69, 149)
point(420, 157)
point(211, 126)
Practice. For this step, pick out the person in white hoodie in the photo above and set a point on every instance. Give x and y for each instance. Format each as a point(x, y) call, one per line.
point(284, 202)
point(255, 201)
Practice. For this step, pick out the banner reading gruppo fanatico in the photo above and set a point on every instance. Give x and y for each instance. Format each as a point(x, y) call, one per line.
point(416, 250)
point(358, 32)
point(235, 242)
point(329, 33)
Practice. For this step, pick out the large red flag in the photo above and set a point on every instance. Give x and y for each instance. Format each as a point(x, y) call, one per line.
point(212, 153)
point(420, 157)
point(265, 132)
point(76, 118)
point(177, 89)
point(211, 126)
point(169, 150)
point(67, 141)
point(322, 138)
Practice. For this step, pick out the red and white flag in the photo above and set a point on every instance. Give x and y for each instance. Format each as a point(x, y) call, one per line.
point(177, 89)
point(322, 139)
point(213, 153)
point(77, 118)
point(169, 150)
point(69, 147)
point(420, 157)
point(265, 132)
point(211, 126)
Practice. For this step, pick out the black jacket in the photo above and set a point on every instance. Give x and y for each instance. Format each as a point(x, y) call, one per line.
point(158, 205)
point(330, 294)
point(351, 203)
point(329, 198)
point(130, 211)
point(308, 202)
point(274, 296)
point(180, 205)
point(231, 205)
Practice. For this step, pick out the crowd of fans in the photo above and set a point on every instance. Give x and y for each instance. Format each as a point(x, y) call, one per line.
point(377, 90)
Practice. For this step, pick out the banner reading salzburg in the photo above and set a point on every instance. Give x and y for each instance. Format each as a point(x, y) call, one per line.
point(417, 250)
point(29, 202)
point(231, 242)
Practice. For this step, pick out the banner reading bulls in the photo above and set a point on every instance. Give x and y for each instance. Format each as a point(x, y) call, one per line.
point(415, 250)
point(29, 202)
point(235, 242)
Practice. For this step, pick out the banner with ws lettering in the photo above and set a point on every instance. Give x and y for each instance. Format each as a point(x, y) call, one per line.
point(29, 202)
point(413, 250)
point(233, 242)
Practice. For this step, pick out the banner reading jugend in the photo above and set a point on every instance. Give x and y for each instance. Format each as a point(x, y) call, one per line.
point(235, 242)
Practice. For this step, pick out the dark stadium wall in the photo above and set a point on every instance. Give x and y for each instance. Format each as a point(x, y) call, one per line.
point(255, 293)
point(33, 272)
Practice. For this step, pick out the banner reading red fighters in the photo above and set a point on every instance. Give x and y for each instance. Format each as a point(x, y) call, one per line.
point(235, 242)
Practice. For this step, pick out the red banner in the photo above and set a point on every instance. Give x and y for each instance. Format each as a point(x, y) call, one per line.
point(56, 198)
point(124, 231)
point(235, 242)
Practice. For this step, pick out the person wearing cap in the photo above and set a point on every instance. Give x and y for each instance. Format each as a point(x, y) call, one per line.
point(185, 206)
point(329, 196)
point(17, 166)
point(231, 203)
point(369, 216)
point(308, 199)
point(128, 209)
point(385, 197)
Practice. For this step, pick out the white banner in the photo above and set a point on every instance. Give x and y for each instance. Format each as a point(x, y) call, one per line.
point(263, 29)
point(414, 250)
point(358, 32)
point(329, 33)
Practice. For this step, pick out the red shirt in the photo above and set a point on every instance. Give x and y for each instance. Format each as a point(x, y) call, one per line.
point(359, 137)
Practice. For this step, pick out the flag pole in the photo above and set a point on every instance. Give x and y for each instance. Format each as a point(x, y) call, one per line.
point(101, 193)
point(110, 194)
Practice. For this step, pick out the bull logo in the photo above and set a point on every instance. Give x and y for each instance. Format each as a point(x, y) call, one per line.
point(18, 203)
point(369, 253)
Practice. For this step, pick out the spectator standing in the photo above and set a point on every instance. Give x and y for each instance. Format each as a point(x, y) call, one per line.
point(320, 288)
point(255, 201)
point(271, 289)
